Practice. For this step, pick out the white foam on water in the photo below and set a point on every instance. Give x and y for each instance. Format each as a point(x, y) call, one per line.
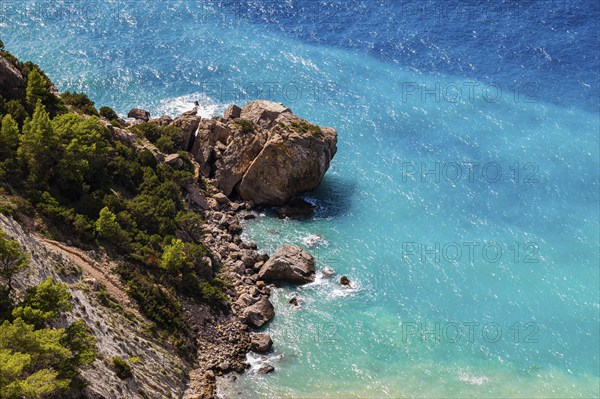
point(256, 361)
point(174, 107)
point(312, 240)
point(473, 379)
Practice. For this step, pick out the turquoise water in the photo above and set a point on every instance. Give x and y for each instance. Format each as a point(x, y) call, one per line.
point(508, 137)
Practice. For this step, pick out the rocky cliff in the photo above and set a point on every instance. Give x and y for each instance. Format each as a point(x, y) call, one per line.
point(263, 152)
point(102, 302)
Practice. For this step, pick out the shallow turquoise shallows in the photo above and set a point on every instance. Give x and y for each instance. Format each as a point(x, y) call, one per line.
point(463, 203)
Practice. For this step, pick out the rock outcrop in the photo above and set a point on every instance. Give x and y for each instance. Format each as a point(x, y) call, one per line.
point(139, 114)
point(289, 264)
point(188, 124)
point(12, 83)
point(267, 155)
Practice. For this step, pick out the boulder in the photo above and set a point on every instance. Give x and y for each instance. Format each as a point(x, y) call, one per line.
point(266, 369)
point(328, 272)
point(221, 198)
point(174, 160)
point(294, 301)
point(232, 112)
point(345, 281)
point(197, 198)
point(259, 313)
point(12, 83)
point(261, 343)
point(288, 164)
point(267, 159)
point(297, 208)
point(125, 136)
point(139, 114)
point(289, 264)
point(192, 112)
point(164, 120)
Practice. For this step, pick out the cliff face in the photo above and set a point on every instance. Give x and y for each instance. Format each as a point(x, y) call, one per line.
point(117, 325)
point(12, 83)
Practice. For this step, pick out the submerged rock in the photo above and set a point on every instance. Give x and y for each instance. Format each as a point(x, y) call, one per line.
point(289, 264)
point(328, 272)
point(266, 369)
point(297, 208)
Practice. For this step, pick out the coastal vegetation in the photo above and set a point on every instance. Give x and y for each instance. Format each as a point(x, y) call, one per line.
point(61, 165)
point(37, 359)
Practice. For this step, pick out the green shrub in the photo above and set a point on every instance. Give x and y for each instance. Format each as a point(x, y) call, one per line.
point(212, 290)
point(108, 113)
point(245, 125)
point(122, 368)
point(80, 102)
point(305, 127)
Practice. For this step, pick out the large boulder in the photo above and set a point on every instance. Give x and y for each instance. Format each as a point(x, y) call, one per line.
point(266, 156)
point(232, 112)
point(289, 264)
point(139, 114)
point(12, 83)
point(259, 313)
point(260, 343)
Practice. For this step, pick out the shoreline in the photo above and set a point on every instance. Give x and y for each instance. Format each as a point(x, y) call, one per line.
point(229, 339)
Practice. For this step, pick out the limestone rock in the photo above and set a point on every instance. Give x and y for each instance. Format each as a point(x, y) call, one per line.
point(139, 114)
point(261, 343)
point(174, 160)
point(188, 125)
point(263, 112)
point(289, 264)
point(232, 112)
point(259, 313)
point(164, 120)
point(197, 198)
point(266, 156)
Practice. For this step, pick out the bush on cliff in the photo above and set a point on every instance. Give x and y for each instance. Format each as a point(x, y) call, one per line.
point(36, 359)
point(108, 113)
point(81, 102)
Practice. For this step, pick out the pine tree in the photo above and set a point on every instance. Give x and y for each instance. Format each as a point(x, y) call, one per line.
point(173, 258)
point(39, 146)
point(12, 260)
point(107, 226)
point(36, 89)
point(9, 138)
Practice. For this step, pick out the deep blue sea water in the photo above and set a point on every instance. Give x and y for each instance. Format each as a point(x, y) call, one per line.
point(463, 203)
